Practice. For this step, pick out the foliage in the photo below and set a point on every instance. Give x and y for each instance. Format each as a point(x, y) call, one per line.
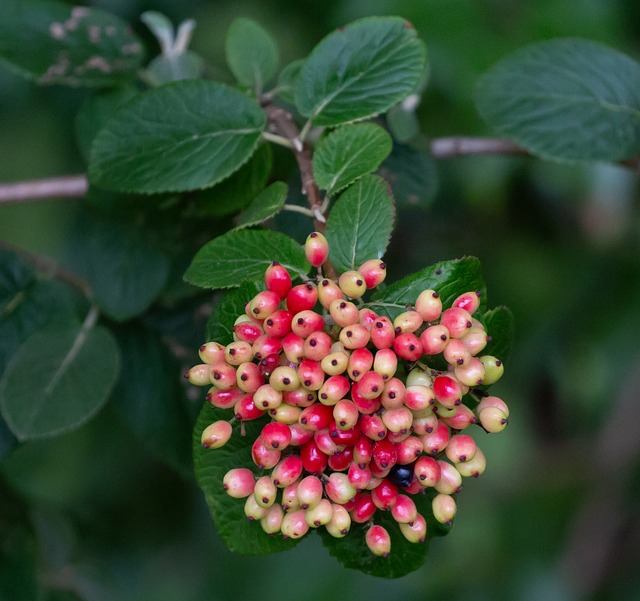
point(188, 179)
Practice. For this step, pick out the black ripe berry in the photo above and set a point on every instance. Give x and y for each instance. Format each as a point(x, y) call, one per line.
point(401, 475)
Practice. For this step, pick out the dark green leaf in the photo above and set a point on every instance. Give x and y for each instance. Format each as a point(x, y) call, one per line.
point(18, 559)
point(238, 533)
point(54, 43)
point(269, 202)
point(566, 99)
point(149, 399)
point(225, 312)
point(7, 440)
point(412, 175)
point(448, 278)
point(251, 53)
point(348, 153)
point(58, 379)
point(237, 191)
point(403, 124)
point(96, 111)
point(288, 80)
point(405, 557)
point(243, 255)
point(181, 136)
point(125, 271)
point(360, 223)
point(15, 276)
point(500, 325)
point(360, 70)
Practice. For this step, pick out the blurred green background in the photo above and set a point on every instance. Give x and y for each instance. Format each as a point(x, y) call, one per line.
point(557, 514)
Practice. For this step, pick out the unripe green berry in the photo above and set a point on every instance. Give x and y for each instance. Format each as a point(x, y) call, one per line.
point(335, 363)
point(320, 515)
point(352, 284)
point(492, 419)
point(340, 522)
point(344, 313)
point(474, 467)
point(429, 305)
point(285, 413)
point(254, 511)
point(450, 479)
point(493, 369)
point(444, 508)
point(284, 378)
point(416, 532)
point(339, 489)
point(354, 336)
point(408, 321)
point(199, 375)
point(309, 492)
point(267, 397)
point(328, 291)
point(211, 352)
point(265, 491)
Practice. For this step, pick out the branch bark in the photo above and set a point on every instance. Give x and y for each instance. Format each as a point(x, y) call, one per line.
point(72, 186)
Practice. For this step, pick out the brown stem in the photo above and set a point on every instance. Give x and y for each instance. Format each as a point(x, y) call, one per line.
point(49, 267)
point(72, 186)
point(458, 146)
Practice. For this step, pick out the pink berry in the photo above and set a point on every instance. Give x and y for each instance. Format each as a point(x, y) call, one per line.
point(427, 470)
point(461, 448)
point(320, 514)
point(404, 511)
point(310, 491)
point(434, 339)
point(263, 304)
point(429, 305)
point(370, 385)
point(275, 436)
point(239, 482)
point(287, 471)
point(360, 362)
point(310, 374)
point(444, 508)
point(248, 377)
point(354, 336)
point(216, 435)
point(316, 249)
point(263, 457)
point(294, 525)
point(450, 479)
point(469, 301)
point(278, 324)
point(305, 322)
point(393, 394)
point(382, 333)
point(277, 279)
point(317, 346)
point(447, 390)
point(339, 489)
point(407, 322)
point(223, 376)
point(378, 541)
point(211, 352)
point(293, 347)
point(272, 522)
point(374, 272)
point(328, 291)
point(457, 321)
point(334, 389)
point(248, 331)
point(408, 346)
point(385, 495)
point(352, 284)
point(416, 532)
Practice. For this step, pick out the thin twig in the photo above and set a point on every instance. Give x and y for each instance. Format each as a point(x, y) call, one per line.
point(71, 186)
point(458, 146)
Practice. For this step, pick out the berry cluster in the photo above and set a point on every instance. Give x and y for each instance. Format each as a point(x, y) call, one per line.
point(363, 412)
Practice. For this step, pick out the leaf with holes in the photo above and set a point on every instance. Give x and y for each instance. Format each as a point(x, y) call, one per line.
point(69, 45)
point(360, 70)
point(59, 378)
point(360, 223)
point(243, 255)
point(348, 153)
point(448, 278)
point(566, 99)
point(182, 136)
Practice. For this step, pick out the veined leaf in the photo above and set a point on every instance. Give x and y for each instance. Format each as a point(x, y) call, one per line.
point(360, 223)
point(243, 255)
point(58, 379)
point(269, 202)
point(348, 153)
point(566, 99)
point(227, 310)
point(181, 136)
point(360, 70)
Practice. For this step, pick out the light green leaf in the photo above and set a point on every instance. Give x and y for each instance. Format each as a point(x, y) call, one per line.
point(360, 223)
point(412, 175)
point(237, 191)
point(54, 43)
point(227, 310)
point(360, 70)
point(269, 202)
point(348, 153)
point(233, 526)
point(181, 136)
point(58, 379)
point(174, 67)
point(243, 255)
point(448, 278)
point(288, 79)
point(251, 53)
point(565, 99)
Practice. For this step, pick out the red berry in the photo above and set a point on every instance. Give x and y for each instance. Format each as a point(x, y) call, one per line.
point(249, 331)
point(364, 508)
point(382, 333)
point(278, 324)
point(447, 390)
point(305, 322)
point(302, 298)
point(378, 541)
point(427, 470)
point(316, 249)
point(263, 304)
point(384, 454)
point(316, 417)
point(385, 495)
point(245, 409)
point(311, 374)
point(313, 459)
point(263, 457)
point(277, 279)
point(408, 346)
point(374, 272)
point(317, 346)
point(275, 436)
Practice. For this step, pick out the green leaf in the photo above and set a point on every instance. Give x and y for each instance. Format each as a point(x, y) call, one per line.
point(243, 255)
point(26, 304)
point(405, 557)
point(251, 53)
point(181, 136)
point(8, 441)
point(269, 202)
point(412, 175)
point(348, 153)
point(448, 278)
point(164, 69)
point(360, 223)
point(54, 43)
point(565, 99)
point(288, 80)
point(237, 532)
point(360, 70)
point(149, 398)
point(500, 326)
point(96, 111)
point(237, 191)
point(227, 310)
point(59, 379)
point(125, 271)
